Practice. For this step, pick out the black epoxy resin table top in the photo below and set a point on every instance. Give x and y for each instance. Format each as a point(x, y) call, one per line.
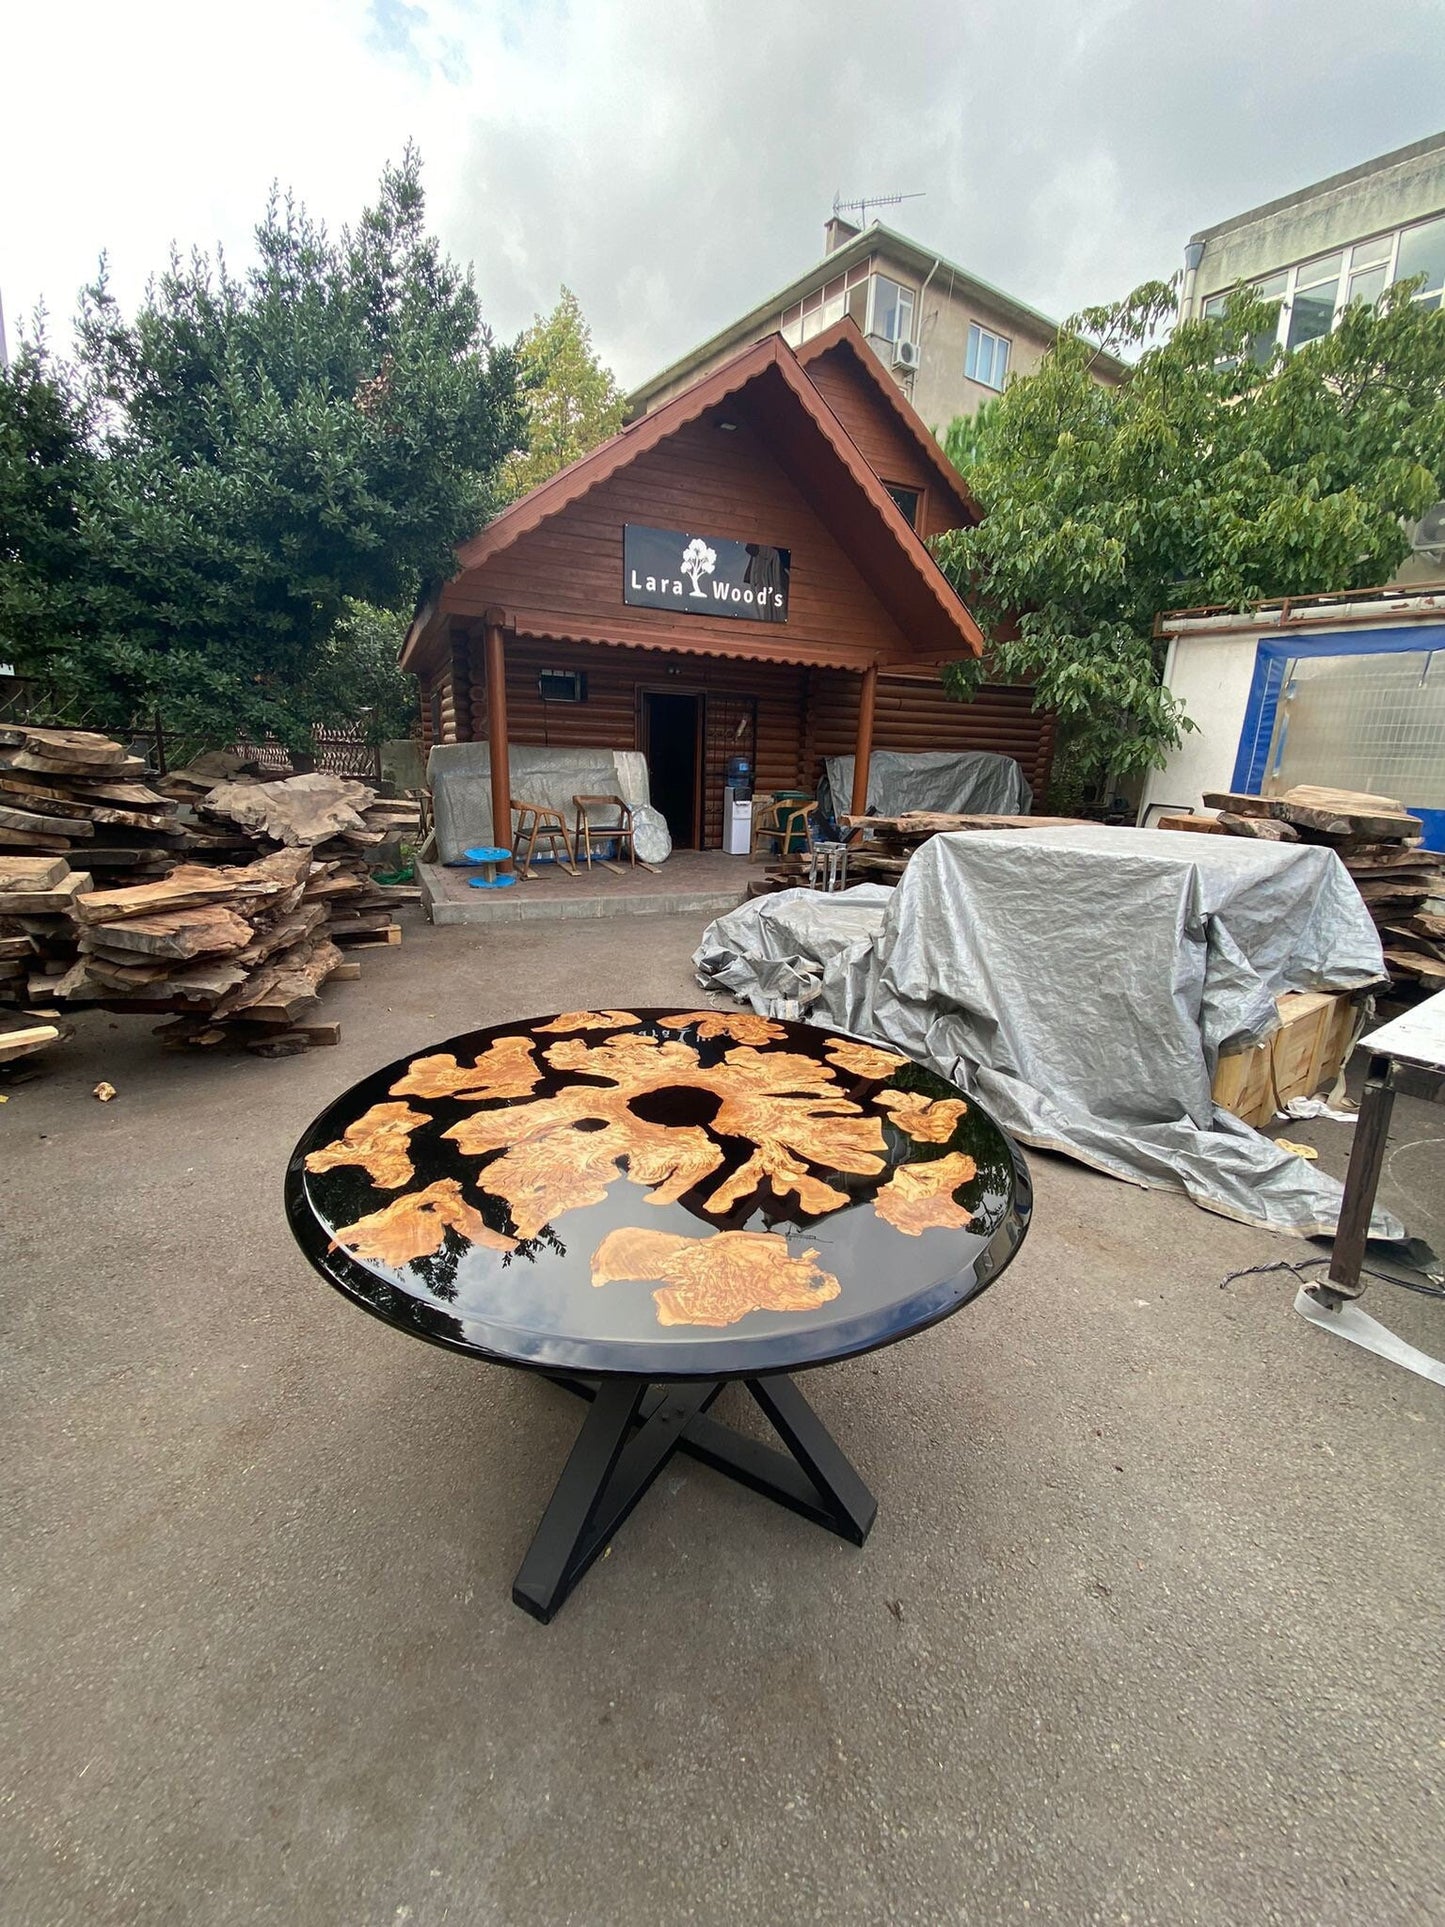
point(660, 1194)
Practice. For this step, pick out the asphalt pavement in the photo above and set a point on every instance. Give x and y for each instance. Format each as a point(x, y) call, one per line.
point(1148, 1630)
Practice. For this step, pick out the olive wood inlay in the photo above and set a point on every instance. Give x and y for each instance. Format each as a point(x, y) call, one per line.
point(506, 1068)
point(863, 1060)
point(928, 1120)
point(788, 1106)
point(919, 1197)
point(741, 1025)
point(377, 1141)
point(415, 1226)
point(714, 1280)
point(586, 1020)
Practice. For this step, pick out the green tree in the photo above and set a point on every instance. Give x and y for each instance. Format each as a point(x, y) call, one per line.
point(1207, 475)
point(356, 674)
point(270, 447)
point(966, 436)
point(46, 472)
point(573, 402)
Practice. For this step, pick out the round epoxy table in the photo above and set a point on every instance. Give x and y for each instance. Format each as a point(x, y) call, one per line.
point(646, 1205)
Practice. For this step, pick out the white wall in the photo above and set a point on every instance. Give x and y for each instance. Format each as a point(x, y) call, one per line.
point(1211, 675)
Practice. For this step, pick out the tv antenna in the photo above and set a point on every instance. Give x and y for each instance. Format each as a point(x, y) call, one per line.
point(871, 200)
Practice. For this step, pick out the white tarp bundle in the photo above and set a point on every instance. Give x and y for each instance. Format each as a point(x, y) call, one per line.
point(1081, 982)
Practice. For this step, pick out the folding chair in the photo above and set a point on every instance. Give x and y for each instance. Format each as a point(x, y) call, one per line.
point(618, 833)
point(537, 823)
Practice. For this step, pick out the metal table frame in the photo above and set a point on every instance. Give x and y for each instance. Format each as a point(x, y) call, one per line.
point(631, 1432)
point(1406, 1056)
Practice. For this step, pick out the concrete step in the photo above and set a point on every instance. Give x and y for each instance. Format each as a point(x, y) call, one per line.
point(700, 884)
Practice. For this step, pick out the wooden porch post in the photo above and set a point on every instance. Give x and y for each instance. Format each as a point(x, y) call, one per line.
point(863, 747)
point(497, 729)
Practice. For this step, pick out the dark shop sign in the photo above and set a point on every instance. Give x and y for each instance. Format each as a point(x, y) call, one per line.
point(704, 575)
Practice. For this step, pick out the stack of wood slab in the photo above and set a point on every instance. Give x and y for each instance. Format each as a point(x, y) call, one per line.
point(1378, 842)
point(76, 794)
point(232, 955)
point(171, 922)
point(341, 821)
point(24, 881)
point(880, 847)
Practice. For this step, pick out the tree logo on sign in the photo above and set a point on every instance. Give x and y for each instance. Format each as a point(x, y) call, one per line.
point(698, 560)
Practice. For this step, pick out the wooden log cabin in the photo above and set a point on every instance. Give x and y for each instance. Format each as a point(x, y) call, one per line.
point(743, 571)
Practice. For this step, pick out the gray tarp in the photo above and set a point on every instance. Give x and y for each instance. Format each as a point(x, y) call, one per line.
point(966, 783)
point(799, 953)
point(459, 775)
point(1081, 983)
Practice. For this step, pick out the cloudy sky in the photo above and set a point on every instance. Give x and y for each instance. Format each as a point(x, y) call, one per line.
point(674, 160)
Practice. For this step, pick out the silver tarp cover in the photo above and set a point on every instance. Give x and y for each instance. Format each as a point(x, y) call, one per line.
point(1081, 982)
point(799, 954)
point(964, 782)
point(461, 784)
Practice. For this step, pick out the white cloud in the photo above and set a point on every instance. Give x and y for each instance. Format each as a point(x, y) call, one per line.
point(673, 160)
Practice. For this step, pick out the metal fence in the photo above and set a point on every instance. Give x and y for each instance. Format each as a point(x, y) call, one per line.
point(339, 752)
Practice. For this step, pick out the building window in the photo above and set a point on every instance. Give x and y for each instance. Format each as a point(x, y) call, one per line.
point(1369, 269)
point(1422, 251)
point(892, 310)
point(820, 309)
point(907, 500)
point(1316, 296)
point(1313, 297)
point(987, 357)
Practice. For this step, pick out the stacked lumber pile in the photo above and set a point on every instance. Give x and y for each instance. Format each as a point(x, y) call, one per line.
point(231, 955)
point(880, 847)
point(1378, 842)
point(26, 883)
point(341, 821)
point(73, 793)
point(223, 909)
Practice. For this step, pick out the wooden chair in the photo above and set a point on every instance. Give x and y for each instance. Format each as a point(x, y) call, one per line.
point(619, 833)
point(782, 818)
point(537, 823)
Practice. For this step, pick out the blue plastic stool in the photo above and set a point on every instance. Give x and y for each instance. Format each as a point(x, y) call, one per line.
point(489, 858)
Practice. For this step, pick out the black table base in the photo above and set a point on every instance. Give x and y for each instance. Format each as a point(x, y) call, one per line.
point(628, 1436)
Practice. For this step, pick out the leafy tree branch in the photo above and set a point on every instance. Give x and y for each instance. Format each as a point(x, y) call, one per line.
point(1217, 471)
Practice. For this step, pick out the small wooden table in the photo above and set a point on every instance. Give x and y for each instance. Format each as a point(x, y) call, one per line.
point(647, 1206)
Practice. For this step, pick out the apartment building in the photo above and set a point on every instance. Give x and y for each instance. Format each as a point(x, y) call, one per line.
point(1345, 239)
point(948, 339)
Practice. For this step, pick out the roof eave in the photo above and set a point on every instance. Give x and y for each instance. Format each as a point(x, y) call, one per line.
point(846, 334)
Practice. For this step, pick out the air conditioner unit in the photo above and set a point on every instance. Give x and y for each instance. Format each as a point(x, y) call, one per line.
point(562, 685)
point(906, 354)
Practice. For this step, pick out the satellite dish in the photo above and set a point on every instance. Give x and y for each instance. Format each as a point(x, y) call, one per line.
point(1429, 538)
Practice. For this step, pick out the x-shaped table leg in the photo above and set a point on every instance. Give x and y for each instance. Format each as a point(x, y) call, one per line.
point(612, 1465)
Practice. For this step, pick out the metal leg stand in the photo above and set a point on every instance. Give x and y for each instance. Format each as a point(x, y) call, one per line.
point(1362, 1181)
point(611, 1467)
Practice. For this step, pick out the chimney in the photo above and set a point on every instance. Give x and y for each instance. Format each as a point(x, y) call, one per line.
point(836, 232)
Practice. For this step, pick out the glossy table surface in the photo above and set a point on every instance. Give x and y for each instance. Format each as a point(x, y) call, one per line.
point(658, 1194)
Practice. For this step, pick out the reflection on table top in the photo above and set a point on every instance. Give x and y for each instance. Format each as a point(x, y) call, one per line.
point(659, 1193)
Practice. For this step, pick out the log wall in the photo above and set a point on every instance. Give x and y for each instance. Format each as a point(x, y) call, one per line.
point(765, 698)
point(916, 713)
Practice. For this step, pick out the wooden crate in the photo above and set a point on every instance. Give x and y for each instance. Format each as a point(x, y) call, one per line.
point(1303, 1056)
